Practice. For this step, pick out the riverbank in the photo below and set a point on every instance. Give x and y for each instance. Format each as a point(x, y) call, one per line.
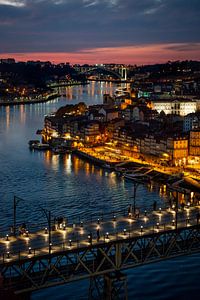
point(32, 101)
point(140, 172)
point(64, 84)
point(104, 163)
point(122, 165)
point(111, 80)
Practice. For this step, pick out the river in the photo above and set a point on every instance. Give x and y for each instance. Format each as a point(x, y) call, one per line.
point(67, 185)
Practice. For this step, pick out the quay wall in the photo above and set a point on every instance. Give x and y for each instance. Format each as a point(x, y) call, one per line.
point(96, 161)
point(33, 101)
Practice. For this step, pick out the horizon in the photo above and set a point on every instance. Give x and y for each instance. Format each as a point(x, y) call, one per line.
point(141, 55)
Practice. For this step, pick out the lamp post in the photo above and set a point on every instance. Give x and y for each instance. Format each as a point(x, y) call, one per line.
point(176, 208)
point(135, 186)
point(47, 214)
point(16, 200)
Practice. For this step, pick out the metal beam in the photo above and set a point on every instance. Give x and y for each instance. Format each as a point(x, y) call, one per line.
point(33, 273)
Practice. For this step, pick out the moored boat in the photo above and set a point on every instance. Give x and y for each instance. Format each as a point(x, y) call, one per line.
point(32, 142)
point(40, 146)
point(60, 150)
point(135, 177)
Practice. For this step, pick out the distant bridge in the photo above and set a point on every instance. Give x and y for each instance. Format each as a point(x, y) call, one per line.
point(122, 74)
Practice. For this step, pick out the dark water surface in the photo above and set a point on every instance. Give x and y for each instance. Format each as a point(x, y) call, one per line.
point(67, 186)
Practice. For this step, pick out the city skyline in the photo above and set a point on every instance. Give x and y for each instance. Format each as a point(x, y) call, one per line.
point(92, 31)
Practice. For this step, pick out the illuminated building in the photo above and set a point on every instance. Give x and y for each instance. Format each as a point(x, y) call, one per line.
point(91, 132)
point(179, 106)
point(177, 148)
point(113, 125)
point(172, 149)
point(194, 148)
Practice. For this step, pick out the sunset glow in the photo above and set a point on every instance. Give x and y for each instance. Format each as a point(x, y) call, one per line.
point(144, 54)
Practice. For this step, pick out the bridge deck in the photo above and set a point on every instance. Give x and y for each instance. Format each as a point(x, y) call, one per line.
point(76, 236)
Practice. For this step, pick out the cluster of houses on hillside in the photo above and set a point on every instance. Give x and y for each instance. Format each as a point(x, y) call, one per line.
point(133, 125)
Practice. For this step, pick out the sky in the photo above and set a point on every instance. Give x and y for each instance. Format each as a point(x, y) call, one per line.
point(100, 31)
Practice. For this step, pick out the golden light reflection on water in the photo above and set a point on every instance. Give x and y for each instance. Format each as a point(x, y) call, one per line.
point(76, 165)
point(67, 164)
point(7, 117)
point(69, 93)
point(163, 190)
point(112, 179)
point(100, 172)
point(55, 162)
point(47, 157)
point(87, 169)
point(22, 114)
point(92, 90)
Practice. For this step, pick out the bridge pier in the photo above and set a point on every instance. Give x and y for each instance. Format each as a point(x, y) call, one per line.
point(96, 288)
point(115, 286)
point(111, 286)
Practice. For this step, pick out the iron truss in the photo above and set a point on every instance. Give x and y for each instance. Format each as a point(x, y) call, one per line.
point(36, 272)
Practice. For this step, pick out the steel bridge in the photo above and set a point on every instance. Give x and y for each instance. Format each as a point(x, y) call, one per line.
point(75, 260)
point(122, 74)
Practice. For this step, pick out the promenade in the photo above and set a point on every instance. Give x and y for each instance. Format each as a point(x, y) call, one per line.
point(29, 101)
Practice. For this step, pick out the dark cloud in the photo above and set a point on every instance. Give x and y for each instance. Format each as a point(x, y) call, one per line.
point(71, 25)
point(184, 47)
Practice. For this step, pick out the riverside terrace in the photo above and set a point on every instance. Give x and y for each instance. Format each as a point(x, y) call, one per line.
point(110, 243)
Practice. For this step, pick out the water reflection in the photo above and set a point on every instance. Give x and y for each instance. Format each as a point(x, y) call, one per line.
point(7, 117)
point(55, 162)
point(47, 157)
point(22, 114)
point(43, 176)
point(67, 185)
point(67, 164)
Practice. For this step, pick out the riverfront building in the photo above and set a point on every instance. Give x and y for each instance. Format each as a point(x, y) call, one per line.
point(179, 106)
point(195, 142)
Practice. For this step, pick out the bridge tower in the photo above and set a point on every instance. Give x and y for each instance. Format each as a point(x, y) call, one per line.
point(123, 73)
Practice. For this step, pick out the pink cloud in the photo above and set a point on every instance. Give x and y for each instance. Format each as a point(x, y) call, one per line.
point(139, 54)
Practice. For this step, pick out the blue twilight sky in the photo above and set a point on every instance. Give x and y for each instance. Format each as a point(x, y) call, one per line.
point(89, 30)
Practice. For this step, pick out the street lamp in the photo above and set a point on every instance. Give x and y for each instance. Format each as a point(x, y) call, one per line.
point(16, 200)
point(176, 208)
point(135, 185)
point(47, 214)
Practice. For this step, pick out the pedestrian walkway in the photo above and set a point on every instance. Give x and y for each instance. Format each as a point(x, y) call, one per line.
point(70, 236)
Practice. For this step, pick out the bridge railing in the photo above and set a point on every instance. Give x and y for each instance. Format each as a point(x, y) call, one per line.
point(81, 217)
point(78, 243)
point(77, 219)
